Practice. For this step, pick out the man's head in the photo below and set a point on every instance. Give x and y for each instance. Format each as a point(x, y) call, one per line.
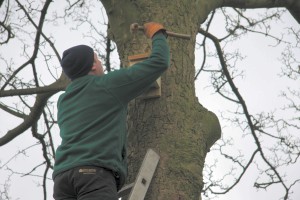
point(79, 61)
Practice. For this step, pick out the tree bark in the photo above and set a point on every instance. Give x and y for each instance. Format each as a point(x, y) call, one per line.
point(175, 125)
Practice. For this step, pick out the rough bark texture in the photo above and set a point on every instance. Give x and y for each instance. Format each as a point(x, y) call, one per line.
point(175, 125)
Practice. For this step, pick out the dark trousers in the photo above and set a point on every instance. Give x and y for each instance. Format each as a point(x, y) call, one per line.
point(85, 183)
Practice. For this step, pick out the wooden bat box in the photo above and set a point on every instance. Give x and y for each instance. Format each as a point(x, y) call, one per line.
point(155, 90)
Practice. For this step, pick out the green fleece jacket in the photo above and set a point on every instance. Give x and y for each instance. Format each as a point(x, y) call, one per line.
point(92, 113)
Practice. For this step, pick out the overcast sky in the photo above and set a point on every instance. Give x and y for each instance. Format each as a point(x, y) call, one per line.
point(260, 88)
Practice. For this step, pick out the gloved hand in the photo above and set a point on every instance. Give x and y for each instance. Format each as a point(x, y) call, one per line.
point(151, 28)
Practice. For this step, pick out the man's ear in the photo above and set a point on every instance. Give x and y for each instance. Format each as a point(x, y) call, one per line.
point(93, 67)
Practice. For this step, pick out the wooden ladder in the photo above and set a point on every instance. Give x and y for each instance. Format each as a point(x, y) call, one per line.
point(139, 188)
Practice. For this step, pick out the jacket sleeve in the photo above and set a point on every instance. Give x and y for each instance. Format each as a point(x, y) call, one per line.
point(126, 84)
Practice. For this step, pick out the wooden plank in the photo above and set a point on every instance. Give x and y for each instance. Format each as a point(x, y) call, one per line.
point(145, 175)
point(153, 92)
point(138, 57)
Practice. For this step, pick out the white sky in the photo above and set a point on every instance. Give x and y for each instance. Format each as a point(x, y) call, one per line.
point(260, 88)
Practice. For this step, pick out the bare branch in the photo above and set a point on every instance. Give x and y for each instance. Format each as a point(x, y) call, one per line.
point(257, 4)
point(274, 175)
point(41, 101)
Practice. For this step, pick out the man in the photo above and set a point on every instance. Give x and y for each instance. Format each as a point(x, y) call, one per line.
point(91, 161)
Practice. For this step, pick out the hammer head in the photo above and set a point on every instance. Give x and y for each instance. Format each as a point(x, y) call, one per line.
point(134, 27)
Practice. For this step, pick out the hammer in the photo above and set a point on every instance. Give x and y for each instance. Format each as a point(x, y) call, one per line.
point(136, 27)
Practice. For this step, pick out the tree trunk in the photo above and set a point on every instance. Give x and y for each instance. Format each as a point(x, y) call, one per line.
point(175, 125)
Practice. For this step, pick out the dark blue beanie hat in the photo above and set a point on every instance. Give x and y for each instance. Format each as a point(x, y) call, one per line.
point(77, 61)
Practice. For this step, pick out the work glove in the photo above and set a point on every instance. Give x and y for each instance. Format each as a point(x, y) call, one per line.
point(151, 28)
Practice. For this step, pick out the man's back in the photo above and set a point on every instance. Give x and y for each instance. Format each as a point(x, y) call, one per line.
point(92, 113)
